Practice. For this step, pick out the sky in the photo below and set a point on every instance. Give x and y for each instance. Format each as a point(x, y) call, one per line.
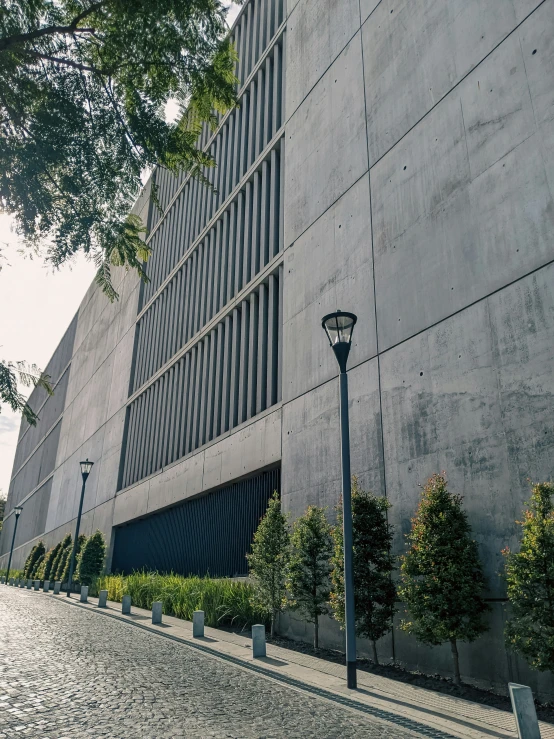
point(36, 306)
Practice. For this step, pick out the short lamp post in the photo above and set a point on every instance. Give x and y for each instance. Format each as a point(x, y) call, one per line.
point(339, 327)
point(86, 467)
point(17, 511)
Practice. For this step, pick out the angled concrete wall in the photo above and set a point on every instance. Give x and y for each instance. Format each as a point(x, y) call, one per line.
point(419, 195)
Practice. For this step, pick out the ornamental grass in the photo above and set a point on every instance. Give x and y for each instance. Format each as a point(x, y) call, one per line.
point(224, 602)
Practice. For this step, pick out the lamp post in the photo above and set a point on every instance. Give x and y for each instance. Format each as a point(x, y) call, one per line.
point(86, 467)
point(339, 327)
point(17, 510)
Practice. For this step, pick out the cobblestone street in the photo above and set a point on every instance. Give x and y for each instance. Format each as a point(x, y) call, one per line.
point(67, 673)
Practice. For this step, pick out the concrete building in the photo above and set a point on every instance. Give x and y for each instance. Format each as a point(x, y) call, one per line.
point(394, 158)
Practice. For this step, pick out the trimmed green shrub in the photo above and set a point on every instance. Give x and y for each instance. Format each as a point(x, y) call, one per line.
point(30, 559)
point(64, 556)
point(31, 564)
point(530, 578)
point(49, 560)
point(57, 559)
point(442, 577)
point(81, 541)
point(224, 602)
point(269, 559)
point(309, 569)
point(34, 574)
point(91, 559)
point(373, 563)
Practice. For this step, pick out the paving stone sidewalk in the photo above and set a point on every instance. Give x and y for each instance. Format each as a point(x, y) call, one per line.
point(67, 672)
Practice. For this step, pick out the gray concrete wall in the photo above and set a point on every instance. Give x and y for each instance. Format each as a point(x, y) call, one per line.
point(418, 194)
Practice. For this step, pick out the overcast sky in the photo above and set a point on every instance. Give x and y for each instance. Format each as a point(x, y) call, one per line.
point(36, 306)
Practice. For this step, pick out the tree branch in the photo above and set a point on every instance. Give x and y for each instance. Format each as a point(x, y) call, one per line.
point(72, 28)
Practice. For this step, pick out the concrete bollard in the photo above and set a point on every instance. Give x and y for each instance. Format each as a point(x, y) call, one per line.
point(102, 599)
point(2, 579)
point(57, 587)
point(22, 583)
point(84, 593)
point(198, 623)
point(46, 586)
point(16, 582)
point(525, 714)
point(37, 584)
point(157, 612)
point(12, 581)
point(258, 640)
point(126, 604)
point(29, 584)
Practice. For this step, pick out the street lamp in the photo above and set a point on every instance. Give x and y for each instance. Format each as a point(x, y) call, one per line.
point(339, 327)
point(17, 510)
point(86, 467)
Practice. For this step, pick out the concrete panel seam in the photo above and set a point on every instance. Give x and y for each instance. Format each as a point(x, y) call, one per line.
point(459, 82)
point(37, 411)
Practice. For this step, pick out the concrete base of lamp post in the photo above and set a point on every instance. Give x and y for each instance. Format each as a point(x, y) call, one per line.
point(102, 599)
point(525, 714)
point(57, 587)
point(258, 641)
point(157, 612)
point(126, 605)
point(198, 624)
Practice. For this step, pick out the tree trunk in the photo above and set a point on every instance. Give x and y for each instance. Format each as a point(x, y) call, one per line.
point(455, 658)
point(375, 657)
point(316, 633)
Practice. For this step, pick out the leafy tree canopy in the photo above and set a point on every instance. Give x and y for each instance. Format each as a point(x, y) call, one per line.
point(83, 89)
point(27, 375)
point(530, 578)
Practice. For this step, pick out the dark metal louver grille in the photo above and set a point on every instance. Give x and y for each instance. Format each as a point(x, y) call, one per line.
point(206, 535)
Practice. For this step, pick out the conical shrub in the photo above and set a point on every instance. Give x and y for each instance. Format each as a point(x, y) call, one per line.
point(91, 559)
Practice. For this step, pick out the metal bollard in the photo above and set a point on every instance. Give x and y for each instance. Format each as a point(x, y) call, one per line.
point(258, 640)
point(37, 584)
point(157, 612)
point(126, 604)
point(29, 584)
point(525, 714)
point(46, 586)
point(198, 623)
point(102, 599)
point(84, 593)
point(57, 587)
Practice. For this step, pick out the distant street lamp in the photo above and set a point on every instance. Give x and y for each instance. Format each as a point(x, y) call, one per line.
point(86, 467)
point(339, 327)
point(17, 510)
